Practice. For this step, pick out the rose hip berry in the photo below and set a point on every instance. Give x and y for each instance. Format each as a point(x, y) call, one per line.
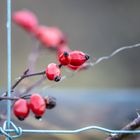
point(49, 36)
point(21, 109)
point(37, 105)
point(25, 19)
point(53, 72)
point(78, 58)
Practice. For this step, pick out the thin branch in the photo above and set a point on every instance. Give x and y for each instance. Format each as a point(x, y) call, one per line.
point(15, 98)
point(115, 52)
point(131, 126)
point(26, 76)
point(9, 98)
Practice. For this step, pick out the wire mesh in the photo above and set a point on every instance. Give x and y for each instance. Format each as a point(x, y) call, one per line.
point(9, 62)
point(9, 127)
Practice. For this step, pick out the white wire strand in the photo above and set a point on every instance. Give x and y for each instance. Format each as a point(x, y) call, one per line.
point(76, 131)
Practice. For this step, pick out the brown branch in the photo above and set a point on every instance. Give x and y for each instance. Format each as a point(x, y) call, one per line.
point(25, 75)
point(9, 98)
point(131, 126)
point(15, 98)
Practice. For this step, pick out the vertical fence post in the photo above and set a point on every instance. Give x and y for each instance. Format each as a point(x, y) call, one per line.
point(8, 62)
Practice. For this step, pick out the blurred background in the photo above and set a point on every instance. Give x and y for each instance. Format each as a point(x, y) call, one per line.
point(106, 95)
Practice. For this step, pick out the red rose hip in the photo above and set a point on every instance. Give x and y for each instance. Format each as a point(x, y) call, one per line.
point(37, 105)
point(50, 37)
point(53, 72)
point(21, 109)
point(78, 58)
point(26, 19)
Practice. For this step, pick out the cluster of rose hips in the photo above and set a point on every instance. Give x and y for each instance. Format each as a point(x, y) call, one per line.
point(74, 59)
point(53, 38)
point(49, 37)
point(37, 104)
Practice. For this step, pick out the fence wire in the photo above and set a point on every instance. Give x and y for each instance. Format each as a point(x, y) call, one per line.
point(11, 131)
point(9, 8)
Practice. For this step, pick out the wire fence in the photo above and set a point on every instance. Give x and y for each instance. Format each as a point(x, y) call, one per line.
point(11, 131)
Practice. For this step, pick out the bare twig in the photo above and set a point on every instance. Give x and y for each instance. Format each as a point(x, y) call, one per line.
point(9, 98)
point(15, 98)
point(23, 96)
point(25, 75)
point(131, 126)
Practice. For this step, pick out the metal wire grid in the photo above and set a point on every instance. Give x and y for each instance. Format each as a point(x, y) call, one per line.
point(9, 127)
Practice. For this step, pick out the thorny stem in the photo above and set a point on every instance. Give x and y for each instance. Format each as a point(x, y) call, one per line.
point(131, 126)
